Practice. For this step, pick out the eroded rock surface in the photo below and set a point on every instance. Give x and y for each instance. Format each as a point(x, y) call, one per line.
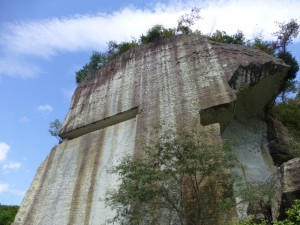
point(173, 82)
point(287, 187)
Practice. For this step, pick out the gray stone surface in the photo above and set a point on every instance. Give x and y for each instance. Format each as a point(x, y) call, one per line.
point(174, 83)
point(287, 187)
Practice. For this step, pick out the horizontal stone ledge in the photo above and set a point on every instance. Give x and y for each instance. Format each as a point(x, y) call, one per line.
point(101, 124)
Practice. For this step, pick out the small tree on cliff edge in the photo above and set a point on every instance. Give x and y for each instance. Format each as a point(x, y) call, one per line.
point(54, 129)
point(183, 180)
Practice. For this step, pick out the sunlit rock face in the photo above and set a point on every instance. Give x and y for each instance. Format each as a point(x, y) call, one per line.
point(172, 83)
point(287, 183)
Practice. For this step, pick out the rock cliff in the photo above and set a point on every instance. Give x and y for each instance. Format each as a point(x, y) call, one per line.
point(172, 82)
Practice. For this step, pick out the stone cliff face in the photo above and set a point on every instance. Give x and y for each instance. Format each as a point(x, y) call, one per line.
point(172, 82)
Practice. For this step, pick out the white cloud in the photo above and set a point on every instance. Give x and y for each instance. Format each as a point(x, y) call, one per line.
point(250, 16)
point(45, 108)
point(3, 187)
point(17, 67)
point(81, 32)
point(4, 148)
point(12, 165)
point(49, 37)
point(24, 119)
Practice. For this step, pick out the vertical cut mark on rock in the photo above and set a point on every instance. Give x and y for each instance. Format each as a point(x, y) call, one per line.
point(79, 181)
point(96, 164)
point(29, 220)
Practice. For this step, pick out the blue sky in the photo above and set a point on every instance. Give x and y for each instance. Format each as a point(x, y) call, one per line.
point(43, 43)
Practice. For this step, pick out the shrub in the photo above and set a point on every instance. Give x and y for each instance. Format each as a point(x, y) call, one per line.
point(293, 217)
point(7, 214)
point(183, 177)
point(156, 33)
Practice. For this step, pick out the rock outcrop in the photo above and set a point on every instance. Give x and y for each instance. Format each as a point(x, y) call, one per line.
point(279, 139)
point(287, 189)
point(172, 82)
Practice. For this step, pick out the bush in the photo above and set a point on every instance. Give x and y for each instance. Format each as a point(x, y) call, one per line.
point(7, 214)
point(293, 217)
point(288, 112)
point(97, 60)
point(54, 129)
point(156, 33)
point(223, 37)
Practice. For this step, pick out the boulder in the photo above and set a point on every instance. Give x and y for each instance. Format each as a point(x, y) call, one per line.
point(286, 187)
point(174, 83)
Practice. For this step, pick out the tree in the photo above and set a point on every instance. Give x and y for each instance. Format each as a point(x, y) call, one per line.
point(285, 35)
point(97, 60)
point(222, 36)
point(180, 179)
point(187, 20)
point(115, 49)
point(289, 80)
point(288, 112)
point(54, 129)
point(268, 47)
point(159, 32)
point(7, 214)
point(156, 33)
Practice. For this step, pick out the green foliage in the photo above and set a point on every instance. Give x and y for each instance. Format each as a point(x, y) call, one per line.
point(288, 112)
point(256, 192)
point(277, 48)
point(174, 173)
point(293, 217)
point(258, 196)
point(7, 214)
point(223, 37)
point(186, 21)
point(125, 46)
point(115, 49)
point(97, 60)
point(285, 35)
point(292, 72)
point(54, 128)
point(159, 32)
point(268, 47)
point(156, 33)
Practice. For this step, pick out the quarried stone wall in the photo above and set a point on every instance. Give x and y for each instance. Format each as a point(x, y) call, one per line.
point(171, 83)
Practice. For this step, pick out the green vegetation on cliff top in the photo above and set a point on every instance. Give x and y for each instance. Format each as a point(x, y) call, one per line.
point(278, 48)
